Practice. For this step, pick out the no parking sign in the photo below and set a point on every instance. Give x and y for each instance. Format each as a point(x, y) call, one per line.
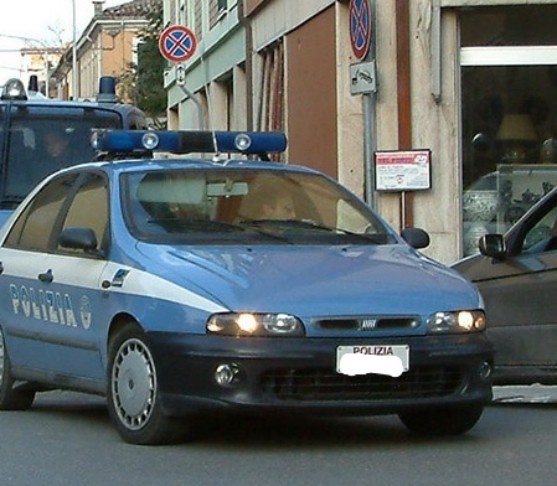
point(177, 43)
point(360, 27)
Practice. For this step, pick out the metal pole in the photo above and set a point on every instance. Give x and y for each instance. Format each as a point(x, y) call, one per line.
point(370, 146)
point(197, 103)
point(370, 127)
point(47, 72)
point(74, 55)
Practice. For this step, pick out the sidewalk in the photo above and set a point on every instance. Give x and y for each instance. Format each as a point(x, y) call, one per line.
point(525, 394)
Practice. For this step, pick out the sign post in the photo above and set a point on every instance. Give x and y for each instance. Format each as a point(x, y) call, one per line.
point(362, 77)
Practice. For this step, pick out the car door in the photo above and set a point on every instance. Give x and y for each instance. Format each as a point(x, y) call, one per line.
point(57, 302)
point(26, 305)
point(75, 276)
point(520, 291)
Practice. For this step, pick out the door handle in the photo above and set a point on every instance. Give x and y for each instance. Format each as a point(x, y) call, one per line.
point(46, 277)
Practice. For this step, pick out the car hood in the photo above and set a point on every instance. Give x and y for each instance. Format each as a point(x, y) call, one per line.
point(312, 280)
point(474, 267)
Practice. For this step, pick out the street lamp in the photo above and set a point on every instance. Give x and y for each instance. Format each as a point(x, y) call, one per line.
point(74, 54)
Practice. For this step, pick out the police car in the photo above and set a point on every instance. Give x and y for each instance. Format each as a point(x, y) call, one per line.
point(176, 286)
point(39, 136)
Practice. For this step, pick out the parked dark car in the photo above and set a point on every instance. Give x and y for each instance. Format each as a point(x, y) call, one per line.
point(516, 274)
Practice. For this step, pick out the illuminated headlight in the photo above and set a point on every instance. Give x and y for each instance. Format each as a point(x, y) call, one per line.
point(456, 322)
point(247, 324)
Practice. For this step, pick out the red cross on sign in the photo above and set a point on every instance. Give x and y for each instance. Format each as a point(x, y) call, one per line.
point(177, 43)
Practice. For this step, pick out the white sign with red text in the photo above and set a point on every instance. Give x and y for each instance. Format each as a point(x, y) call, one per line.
point(401, 170)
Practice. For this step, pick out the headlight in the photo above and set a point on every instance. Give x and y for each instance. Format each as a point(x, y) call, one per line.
point(246, 324)
point(456, 322)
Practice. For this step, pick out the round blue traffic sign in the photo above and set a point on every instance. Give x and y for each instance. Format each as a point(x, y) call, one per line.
point(177, 43)
point(360, 27)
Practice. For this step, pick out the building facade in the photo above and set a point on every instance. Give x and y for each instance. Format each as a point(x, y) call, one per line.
point(39, 62)
point(107, 47)
point(471, 81)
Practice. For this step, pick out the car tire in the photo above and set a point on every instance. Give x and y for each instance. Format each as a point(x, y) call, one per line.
point(11, 398)
point(134, 403)
point(452, 420)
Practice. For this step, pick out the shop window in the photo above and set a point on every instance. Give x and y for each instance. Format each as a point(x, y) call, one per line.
point(509, 115)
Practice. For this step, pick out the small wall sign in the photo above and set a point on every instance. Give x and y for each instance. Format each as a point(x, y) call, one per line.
point(403, 170)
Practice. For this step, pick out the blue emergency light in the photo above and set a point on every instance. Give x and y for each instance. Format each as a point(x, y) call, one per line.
point(188, 141)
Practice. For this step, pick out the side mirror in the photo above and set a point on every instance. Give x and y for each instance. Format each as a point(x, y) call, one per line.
point(493, 245)
point(79, 239)
point(416, 237)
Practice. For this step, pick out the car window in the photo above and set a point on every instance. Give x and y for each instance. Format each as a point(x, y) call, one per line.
point(34, 226)
point(89, 209)
point(541, 234)
point(48, 139)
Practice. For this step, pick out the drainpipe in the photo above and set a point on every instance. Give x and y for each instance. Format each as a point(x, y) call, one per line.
point(404, 100)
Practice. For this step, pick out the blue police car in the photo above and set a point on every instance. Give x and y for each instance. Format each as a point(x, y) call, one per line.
point(176, 286)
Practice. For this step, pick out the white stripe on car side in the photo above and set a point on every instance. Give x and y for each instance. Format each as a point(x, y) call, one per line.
point(27, 265)
point(138, 282)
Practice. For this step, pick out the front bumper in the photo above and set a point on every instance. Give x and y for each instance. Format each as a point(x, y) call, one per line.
point(299, 374)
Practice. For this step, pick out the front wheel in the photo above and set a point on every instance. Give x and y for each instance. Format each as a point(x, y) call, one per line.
point(452, 420)
point(133, 392)
point(11, 398)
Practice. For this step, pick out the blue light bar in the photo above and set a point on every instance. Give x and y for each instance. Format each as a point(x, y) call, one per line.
point(187, 141)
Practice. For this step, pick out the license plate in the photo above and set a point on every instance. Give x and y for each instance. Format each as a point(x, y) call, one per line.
point(384, 359)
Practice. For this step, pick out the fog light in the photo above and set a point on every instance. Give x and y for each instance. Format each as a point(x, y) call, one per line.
point(485, 370)
point(227, 374)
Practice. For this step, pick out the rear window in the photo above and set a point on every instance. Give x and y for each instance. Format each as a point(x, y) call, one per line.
point(41, 140)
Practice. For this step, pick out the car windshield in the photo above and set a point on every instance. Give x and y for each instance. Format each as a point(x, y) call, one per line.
point(39, 140)
point(225, 205)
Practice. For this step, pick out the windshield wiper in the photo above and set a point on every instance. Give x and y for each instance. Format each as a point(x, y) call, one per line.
point(308, 224)
point(179, 224)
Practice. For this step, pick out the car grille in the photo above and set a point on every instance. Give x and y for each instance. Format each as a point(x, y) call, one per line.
point(315, 385)
point(368, 323)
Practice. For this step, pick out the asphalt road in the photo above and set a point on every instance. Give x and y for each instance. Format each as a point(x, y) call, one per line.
point(67, 439)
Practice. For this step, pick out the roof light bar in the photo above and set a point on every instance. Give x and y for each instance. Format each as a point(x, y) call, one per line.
point(187, 141)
